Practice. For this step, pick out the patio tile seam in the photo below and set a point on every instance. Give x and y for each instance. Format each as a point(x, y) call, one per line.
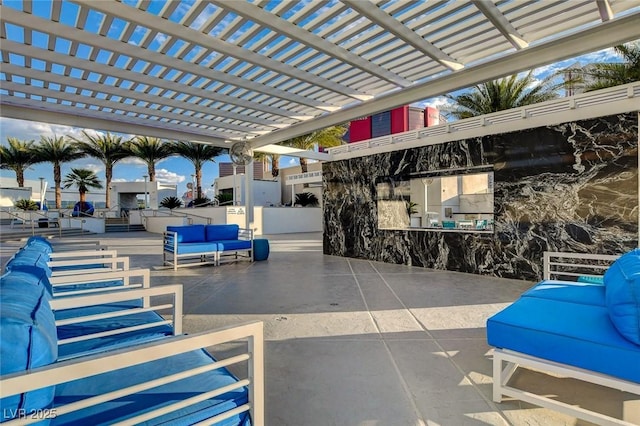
point(405, 386)
point(441, 348)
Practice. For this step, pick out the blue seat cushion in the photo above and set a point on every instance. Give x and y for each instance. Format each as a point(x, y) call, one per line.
point(622, 286)
point(591, 280)
point(568, 333)
point(188, 233)
point(27, 339)
point(222, 232)
point(60, 290)
point(101, 344)
point(234, 245)
point(194, 248)
point(126, 407)
point(586, 294)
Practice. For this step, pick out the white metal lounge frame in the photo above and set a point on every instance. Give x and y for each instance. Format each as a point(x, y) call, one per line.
point(173, 290)
point(104, 276)
point(171, 238)
point(558, 264)
point(109, 264)
point(85, 367)
point(173, 258)
point(514, 360)
point(555, 265)
point(244, 234)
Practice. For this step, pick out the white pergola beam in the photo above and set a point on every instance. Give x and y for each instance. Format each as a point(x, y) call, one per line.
point(180, 32)
point(389, 23)
point(257, 14)
point(604, 7)
point(608, 34)
point(491, 12)
point(293, 152)
point(57, 30)
point(24, 109)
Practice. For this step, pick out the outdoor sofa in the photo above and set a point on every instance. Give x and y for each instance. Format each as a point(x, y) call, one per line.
point(207, 244)
point(581, 329)
point(146, 375)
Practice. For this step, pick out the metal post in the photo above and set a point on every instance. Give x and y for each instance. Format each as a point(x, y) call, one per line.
point(235, 172)
point(146, 204)
point(248, 192)
point(194, 191)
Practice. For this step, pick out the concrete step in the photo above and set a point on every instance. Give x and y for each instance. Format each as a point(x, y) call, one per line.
point(23, 235)
point(123, 228)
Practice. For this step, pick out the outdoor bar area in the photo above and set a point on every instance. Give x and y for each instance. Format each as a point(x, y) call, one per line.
point(492, 204)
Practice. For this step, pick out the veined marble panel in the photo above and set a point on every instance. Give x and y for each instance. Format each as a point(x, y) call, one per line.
point(570, 187)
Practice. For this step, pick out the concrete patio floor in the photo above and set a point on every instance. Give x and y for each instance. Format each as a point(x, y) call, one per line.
point(354, 342)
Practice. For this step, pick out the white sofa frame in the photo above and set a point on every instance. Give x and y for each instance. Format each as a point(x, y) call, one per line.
point(555, 264)
point(514, 360)
point(85, 367)
point(172, 290)
point(173, 258)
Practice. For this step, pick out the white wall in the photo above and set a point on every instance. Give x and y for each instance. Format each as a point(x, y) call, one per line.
point(91, 224)
point(8, 196)
point(158, 224)
point(265, 192)
point(287, 220)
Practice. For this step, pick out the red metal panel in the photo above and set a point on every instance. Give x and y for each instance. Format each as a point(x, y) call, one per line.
point(360, 129)
point(400, 119)
point(431, 117)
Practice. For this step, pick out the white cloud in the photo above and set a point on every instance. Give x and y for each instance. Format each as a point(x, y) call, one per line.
point(94, 167)
point(165, 176)
point(116, 180)
point(32, 130)
point(293, 162)
point(132, 160)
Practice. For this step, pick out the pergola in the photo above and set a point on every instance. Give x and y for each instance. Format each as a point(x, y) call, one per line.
point(220, 71)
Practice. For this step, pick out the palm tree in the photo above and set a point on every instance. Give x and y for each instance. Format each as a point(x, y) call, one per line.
point(330, 136)
point(612, 74)
point(18, 156)
point(57, 150)
point(198, 154)
point(107, 148)
point(505, 93)
point(83, 179)
point(274, 159)
point(150, 150)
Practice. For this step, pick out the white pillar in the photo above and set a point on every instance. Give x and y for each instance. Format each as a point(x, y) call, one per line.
point(248, 192)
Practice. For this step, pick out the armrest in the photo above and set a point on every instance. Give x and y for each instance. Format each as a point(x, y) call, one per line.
point(109, 264)
point(73, 254)
point(174, 290)
point(245, 234)
point(102, 276)
point(85, 367)
point(557, 264)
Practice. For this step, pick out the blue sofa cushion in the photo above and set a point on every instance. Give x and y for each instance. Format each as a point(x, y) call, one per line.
point(586, 294)
point(126, 407)
point(188, 233)
point(564, 332)
point(86, 347)
point(39, 243)
point(622, 287)
point(194, 248)
point(222, 232)
point(234, 245)
point(28, 339)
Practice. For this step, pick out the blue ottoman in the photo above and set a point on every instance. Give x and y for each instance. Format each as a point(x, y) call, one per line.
point(260, 249)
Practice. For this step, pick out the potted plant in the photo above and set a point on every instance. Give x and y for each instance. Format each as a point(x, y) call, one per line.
point(305, 199)
point(412, 208)
point(171, 203)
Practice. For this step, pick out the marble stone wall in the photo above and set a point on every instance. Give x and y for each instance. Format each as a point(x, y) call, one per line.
point(569, 187)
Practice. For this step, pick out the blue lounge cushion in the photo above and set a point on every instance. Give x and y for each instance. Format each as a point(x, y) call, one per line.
point(194, 248)
point(28, 339)
point(591, 280)
point(39, 243)
point(121, 409)
point(188, 233)
point(568, 333)
point(622, 288)
point(586, 294)
point(233, 245)
point(222, 232)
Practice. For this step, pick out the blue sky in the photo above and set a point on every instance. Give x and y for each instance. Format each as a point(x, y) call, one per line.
point(177, 170)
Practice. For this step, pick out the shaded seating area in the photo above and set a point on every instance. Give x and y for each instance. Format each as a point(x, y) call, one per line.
point(585, 330)
point(109, 351)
